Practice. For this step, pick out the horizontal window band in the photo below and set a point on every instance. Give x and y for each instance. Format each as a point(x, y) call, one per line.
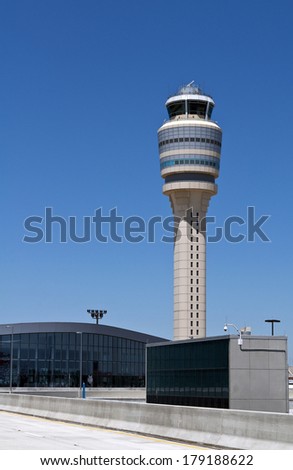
point(189, 177)
point(196, 140)
point(198, 160)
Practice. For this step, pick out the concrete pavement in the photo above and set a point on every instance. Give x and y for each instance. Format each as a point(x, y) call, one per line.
point(19, 432)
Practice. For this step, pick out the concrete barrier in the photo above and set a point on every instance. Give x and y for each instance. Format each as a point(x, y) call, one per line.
point(101, 392)
point(223, 428)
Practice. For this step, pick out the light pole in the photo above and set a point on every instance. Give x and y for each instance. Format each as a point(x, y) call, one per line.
point(80, 364)
point(97, 314)
point(240, 340)
point(11, 358)
point(273, 322)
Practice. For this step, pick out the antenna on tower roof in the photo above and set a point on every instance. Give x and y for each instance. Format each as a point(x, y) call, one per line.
point(188, 84)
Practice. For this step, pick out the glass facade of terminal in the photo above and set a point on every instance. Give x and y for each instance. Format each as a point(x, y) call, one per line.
point(53, 359)
point(192, 373)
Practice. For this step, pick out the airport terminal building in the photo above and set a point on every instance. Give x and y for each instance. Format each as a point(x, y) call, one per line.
point(60, 354)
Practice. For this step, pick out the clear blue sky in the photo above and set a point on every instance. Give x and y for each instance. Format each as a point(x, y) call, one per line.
point(83, 87)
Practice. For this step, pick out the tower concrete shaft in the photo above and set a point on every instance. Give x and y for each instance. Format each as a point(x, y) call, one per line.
point(190, 148)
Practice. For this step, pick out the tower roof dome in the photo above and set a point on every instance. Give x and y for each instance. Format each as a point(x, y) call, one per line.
point(190, 89)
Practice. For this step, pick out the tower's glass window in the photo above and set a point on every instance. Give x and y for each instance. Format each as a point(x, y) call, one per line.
point(175, 109)
point(210, 111)
point(197, 107)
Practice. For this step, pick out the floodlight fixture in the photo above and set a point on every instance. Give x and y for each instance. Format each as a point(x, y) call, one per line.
point(97, 314)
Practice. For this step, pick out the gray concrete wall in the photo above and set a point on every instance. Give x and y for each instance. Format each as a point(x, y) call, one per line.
point(224, 428)
point(258, 374)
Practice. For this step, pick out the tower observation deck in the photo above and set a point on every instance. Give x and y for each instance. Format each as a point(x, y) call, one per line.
point(190, 150)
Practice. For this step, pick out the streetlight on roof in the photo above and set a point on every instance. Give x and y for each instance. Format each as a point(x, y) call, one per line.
point(11, 357)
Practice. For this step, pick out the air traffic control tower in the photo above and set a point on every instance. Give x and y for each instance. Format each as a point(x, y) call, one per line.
point(190, 150)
